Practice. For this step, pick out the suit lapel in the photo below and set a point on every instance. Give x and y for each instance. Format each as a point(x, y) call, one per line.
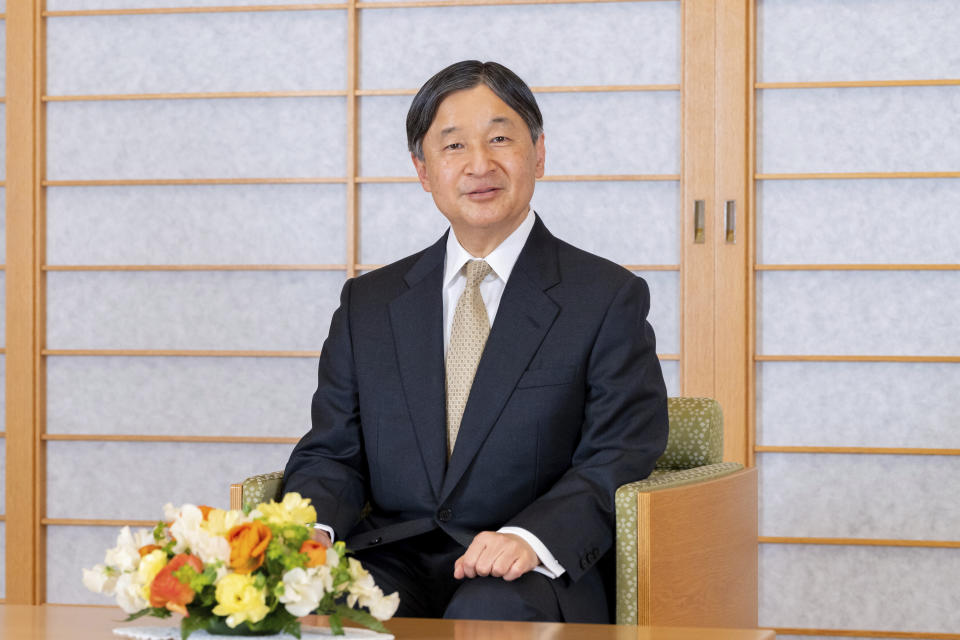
point(525, 315)
point(416, 317)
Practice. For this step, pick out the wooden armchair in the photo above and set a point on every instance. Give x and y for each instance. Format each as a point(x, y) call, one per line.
point(686, 539)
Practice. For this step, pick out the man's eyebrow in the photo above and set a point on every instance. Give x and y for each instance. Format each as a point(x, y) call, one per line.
point(447, 130)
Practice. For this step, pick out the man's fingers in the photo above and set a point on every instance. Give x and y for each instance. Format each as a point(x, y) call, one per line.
point(321, 536)
point(458, 573)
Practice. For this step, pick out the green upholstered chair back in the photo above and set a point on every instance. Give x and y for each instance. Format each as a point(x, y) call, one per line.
point(696, 434)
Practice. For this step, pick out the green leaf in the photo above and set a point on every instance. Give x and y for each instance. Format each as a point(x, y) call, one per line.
point(362, 617)
point(197, 620)
point(159, 534)
point(156, 612)
point(335, 625)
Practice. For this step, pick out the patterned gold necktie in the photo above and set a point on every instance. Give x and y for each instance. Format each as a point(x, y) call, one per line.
point(471, 326)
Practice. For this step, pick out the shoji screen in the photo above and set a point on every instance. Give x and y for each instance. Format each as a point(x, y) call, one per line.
point(214, 174)
point(858, 379)
point(3, 298)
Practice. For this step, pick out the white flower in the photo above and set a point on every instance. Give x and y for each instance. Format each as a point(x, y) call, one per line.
point(361, 586)
point(382, 607)
point(126, 555)
point(129, 593)
point(303, 589)
point(99, 580)
point(190, 533)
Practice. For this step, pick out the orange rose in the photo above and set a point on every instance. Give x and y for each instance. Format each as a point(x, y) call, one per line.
point(147, 548)
point(316, 553)
point(205, 510)
point(167, 591)
point(248, 546)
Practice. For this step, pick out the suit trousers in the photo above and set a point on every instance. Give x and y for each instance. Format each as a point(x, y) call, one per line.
point(421, 570)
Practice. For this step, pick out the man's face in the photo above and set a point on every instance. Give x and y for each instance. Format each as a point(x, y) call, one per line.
point(480, 164)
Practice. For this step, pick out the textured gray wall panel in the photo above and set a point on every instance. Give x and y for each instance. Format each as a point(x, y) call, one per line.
point(200, 52)
point(143, 476)
point(835, 587)
point(222, 224)
point(267, 397)
point(282, 310)
point(630, 43)
point(879, 404)
point(241, 138)
point(873, 129)
point(816, 40)
point(858, 221)
point(859, 312)
point(859, 496)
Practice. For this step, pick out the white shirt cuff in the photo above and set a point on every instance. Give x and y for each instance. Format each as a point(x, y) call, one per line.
point(329, 530)
point(548, 564)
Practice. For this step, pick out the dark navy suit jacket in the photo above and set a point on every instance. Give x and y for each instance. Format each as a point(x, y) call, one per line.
point(568, 403)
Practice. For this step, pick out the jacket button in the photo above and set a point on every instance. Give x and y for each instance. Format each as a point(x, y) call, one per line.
point(444, 515)
point(376, 540)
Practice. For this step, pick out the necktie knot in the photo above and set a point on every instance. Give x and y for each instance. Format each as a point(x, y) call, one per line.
point(477, 270)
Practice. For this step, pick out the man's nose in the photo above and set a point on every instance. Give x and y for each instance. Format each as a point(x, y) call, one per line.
point(479, 162)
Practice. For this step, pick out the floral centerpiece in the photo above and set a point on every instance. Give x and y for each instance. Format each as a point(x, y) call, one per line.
point(236, 573)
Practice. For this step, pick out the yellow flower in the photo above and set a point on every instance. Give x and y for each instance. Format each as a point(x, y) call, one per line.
point(240, 600)
point(219, 522)
point(150, 566)
point(292, 510)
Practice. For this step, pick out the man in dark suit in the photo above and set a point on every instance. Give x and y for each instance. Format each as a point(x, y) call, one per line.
point(486, 396)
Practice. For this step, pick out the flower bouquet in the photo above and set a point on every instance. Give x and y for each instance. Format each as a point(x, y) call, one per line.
point(236, 573)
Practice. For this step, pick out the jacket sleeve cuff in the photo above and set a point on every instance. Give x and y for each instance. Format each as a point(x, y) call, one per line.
point(548, 564)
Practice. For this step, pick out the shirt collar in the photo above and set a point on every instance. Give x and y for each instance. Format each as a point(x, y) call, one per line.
point(501, 260)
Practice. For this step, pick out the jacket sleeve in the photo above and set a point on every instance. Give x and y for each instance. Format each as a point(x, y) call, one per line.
point(328, 464)
point(623, 434)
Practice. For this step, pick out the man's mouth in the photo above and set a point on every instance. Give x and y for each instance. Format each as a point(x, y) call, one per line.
point(482, 192)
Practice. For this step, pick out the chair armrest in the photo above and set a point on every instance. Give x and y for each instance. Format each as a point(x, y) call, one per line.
point(687, 548)
point(256, 489)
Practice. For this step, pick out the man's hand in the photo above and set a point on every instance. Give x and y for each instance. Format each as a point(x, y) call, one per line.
point(501, 555)
point(321, 536)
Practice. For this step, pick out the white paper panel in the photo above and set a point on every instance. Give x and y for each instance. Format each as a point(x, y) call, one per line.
point(282, 310)
point(87, 545)
point(3, 560)
point(627, 222)
point(879, 404)
point(780, 636)
point(133, 480)
point(66, 5)
point(671, 375)
point(245, 51)
point(3, 224)
point(858, 221)
point(3, 392)
point(396, 220)
point(3, 315)
point(859, 496)
point(664, 308)
point(3, 141)
point(830, 587)
point(3, 478)
point(629, 43)
point(223, 224)
point(811, 40)
point(859, 312)
point(3, 57)
point(874, 129)
point(283, 137)
point(628, 133)
point(267, 397)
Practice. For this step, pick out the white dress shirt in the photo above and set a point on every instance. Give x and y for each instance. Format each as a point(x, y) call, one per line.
point(501, 260)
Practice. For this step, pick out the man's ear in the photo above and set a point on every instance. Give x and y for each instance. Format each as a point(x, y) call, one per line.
point(421, 168)
point(541, 155)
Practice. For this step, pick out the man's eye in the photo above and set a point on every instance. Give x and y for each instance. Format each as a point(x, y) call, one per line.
point(454, 145)
point(499, 139)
